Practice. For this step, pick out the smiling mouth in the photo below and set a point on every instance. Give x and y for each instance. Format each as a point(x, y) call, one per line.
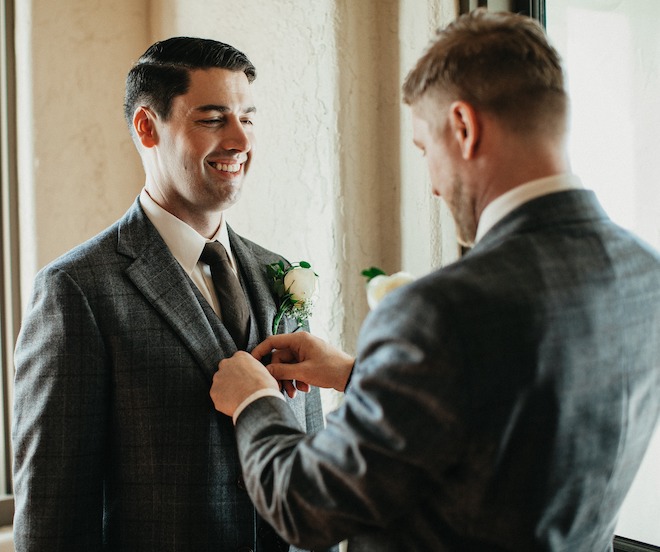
point(226, 167)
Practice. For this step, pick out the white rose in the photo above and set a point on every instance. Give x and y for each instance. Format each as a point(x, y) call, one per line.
point(301, 283)
point(381, 285)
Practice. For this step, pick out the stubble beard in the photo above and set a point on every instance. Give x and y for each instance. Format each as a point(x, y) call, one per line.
point(462, 208)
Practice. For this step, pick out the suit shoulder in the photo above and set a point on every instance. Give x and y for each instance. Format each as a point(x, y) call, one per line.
point(86, 251)
point(133, 227)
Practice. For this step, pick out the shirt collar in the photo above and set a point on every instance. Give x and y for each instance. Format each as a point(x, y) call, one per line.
point(185, 243)
point(501, 206)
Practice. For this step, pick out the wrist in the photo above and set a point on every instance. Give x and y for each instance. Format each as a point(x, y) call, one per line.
point(253, 397)
point(348, 372)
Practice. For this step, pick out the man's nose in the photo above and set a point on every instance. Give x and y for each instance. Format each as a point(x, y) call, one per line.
point(237, 137)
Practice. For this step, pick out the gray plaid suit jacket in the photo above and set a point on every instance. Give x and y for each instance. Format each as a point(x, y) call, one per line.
point(502, 403)
point(116, 441)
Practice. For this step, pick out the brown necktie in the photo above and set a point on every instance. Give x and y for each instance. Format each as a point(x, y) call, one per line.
point(233, 305)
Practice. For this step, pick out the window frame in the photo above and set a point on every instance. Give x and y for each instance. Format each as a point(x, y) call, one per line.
point(532, 8)
point(10, 308)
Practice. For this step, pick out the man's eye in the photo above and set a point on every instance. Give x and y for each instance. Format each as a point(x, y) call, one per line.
point(248, 122)
point(211, 121)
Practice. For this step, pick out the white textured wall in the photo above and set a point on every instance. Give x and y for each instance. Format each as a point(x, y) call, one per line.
point(335, 180)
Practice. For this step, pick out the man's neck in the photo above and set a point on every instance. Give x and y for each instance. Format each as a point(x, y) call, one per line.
point(206, 224)
point(515, 166)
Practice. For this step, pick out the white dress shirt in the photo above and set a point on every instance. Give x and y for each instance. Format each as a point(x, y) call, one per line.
point(186, 245)
point(501, 206)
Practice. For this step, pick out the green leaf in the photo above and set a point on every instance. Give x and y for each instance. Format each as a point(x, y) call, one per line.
point(275, 270)
point(372, 272)
point(305, 264)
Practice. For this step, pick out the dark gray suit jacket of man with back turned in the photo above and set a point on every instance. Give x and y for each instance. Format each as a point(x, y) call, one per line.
point(502, 403)
point(117, 444)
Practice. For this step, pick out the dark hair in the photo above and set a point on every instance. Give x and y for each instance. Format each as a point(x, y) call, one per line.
point(163, 71)
point(499, 62)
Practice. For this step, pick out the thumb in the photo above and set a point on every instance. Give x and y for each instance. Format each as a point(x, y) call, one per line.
point(274, 342)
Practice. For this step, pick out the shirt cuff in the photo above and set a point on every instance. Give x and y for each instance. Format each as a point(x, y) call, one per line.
point(253, 397)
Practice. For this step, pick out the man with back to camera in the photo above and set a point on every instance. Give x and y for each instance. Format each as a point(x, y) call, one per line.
point(504, 402)
point(117, 445)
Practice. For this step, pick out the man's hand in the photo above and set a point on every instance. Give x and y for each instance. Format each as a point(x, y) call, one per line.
point(304, 358)
point(236, 379)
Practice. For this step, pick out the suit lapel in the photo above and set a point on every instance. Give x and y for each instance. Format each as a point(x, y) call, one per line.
point(162, 281)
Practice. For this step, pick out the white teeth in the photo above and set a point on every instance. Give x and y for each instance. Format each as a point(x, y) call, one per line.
point(231, 167)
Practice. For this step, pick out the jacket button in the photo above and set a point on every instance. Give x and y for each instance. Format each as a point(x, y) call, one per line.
point(240, 483)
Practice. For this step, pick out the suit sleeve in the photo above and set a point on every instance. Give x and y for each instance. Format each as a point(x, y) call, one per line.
point(382, 452)
point(60, 416)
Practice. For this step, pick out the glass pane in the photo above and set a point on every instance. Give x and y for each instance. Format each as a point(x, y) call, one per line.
point(611, 50)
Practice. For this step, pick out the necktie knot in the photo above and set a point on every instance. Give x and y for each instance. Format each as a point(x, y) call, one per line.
point(233, 304)
point(213, 253)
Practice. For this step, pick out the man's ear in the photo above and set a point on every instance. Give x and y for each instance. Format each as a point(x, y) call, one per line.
point(466, 127)
point(144, 124)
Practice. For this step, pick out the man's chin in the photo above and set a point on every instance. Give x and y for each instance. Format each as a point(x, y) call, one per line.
point(231, 198)
point(465, 236)
point(465, 243)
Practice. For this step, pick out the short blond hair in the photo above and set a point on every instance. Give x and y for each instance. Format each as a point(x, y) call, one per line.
point(501, 63)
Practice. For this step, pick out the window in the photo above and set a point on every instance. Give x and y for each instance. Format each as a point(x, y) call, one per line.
point(611, 51)
point(9, 293)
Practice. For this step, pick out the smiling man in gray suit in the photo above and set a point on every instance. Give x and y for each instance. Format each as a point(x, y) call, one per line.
point(117, 445)
point(504, 402)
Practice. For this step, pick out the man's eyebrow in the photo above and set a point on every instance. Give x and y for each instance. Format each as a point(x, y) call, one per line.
point(222, 108)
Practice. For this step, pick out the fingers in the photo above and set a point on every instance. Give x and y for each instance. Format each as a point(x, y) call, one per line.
point(292, 386)
point(280, 341)
point(276, 349)
point(305, 359)
point(289, 387)
point(283, 356)
point(236, 379)
point(286, 371)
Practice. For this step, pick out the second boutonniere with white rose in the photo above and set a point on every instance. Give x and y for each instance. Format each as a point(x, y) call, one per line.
point(380, 284)
point(296, 287)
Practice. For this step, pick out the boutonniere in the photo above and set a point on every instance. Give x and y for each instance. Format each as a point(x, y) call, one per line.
point(380, 284)
point(296, 288)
